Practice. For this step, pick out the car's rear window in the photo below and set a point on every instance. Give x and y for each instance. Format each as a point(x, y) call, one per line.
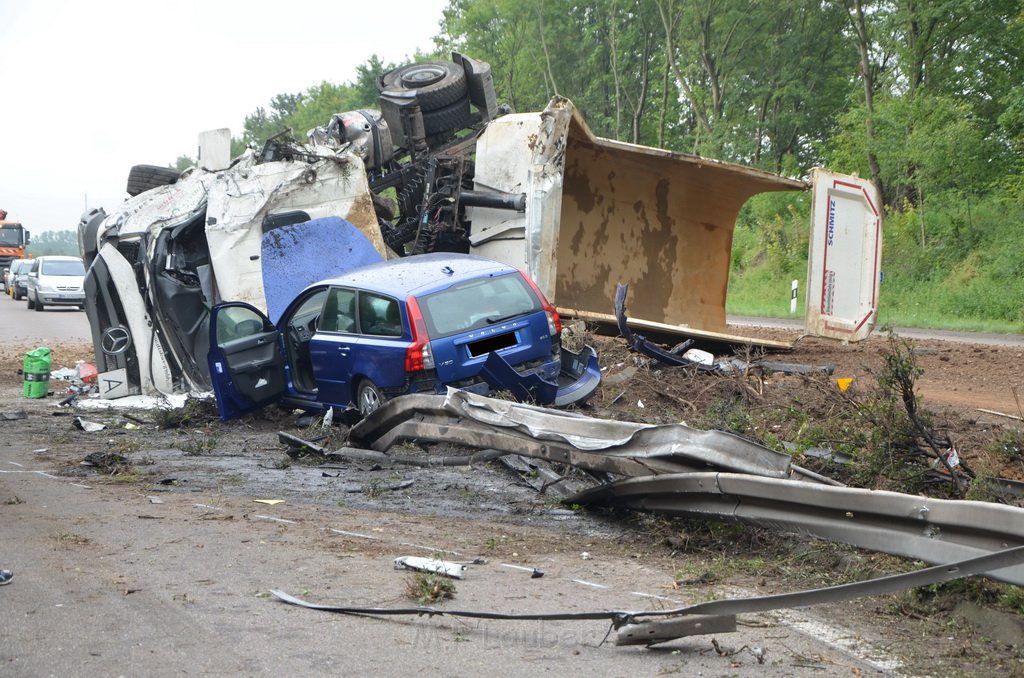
point(477, 303)
point(62, 267)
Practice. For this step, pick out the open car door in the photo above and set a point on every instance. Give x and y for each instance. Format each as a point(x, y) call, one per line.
point(246, 359)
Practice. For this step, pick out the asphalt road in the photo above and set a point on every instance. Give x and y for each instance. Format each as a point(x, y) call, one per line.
point(984, 338)
point(18, 323)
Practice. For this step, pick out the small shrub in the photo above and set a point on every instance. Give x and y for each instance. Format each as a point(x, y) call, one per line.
point(198, 444)
point(194, 412)
point(428, 587)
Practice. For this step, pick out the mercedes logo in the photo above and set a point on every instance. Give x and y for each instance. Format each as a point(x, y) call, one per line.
point(115, 340)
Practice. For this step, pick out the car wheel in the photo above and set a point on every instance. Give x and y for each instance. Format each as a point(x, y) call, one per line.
point(437, 83)
point(368, 398)
point(17, 296)
point(142, 178)
point(29, 303)
point(38, 305)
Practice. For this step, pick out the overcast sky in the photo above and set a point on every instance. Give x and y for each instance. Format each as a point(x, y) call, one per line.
point(90, 88)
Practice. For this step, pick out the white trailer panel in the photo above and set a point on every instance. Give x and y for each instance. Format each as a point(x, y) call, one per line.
point(844, 258)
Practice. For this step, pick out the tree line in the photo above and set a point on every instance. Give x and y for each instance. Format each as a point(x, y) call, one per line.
point(922, 96)
point(925, 97)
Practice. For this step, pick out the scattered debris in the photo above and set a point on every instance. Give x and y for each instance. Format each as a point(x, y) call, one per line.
point(535, 573)
point(273, 519)
point(87, 426)
point(36, 372)
point(269, 502)
point(1001, 414)
point(107, 462)
point(681, 355)
point(652, 627)
point(540, 475)
point(375, 489)
point(13, 416)
point(446, 567)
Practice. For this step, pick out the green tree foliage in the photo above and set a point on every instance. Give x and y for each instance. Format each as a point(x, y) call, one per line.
point(314, 107)
point(53, 242)
point(925, 98)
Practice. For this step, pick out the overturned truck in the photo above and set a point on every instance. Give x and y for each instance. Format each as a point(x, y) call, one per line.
point(442, 167)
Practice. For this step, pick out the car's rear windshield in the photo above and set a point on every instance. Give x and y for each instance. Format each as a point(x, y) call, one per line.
point(62, 267)
point(477, 303)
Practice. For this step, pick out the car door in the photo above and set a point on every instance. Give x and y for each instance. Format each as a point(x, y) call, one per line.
point(333, 347)
point(246, 360)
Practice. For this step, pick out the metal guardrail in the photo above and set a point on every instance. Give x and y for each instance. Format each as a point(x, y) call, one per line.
point(933, 530)
point(678, 470)
point(603, 445)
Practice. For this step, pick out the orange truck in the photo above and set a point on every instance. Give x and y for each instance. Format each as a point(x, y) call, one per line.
point(13, 241)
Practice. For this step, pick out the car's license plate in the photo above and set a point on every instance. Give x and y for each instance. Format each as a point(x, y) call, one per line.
point(495, 343)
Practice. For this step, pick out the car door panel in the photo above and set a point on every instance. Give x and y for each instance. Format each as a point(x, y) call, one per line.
point(246, 361)
point(332, 356)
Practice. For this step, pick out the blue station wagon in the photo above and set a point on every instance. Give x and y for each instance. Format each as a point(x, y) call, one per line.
point(411, 325)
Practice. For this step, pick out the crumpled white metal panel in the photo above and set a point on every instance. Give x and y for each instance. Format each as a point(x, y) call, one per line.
point(158, 207)
point(242, 197)
point(523, 153)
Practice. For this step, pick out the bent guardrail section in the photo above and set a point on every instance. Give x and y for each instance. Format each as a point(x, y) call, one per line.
point(933, 530)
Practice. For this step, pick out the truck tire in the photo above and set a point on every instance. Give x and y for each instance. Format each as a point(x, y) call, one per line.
point(437, 83)
point(141, 178)
point(447, 119)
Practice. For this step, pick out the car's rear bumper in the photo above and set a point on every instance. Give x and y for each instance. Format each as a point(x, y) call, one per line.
point(578, 379)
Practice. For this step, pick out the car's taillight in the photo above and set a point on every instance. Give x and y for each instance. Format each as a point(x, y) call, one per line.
point(554, 322)
point(417, 356)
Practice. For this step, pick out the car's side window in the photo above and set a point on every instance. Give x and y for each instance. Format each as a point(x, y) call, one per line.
point(237, 322)
point(379, 316)
point(339, 314)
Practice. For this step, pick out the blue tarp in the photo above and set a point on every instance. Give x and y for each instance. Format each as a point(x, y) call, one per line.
point(298, 255)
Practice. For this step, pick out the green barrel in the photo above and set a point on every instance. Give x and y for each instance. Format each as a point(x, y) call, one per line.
point(37, 372)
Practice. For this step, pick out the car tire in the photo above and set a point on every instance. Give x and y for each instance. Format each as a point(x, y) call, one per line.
point(447, 119)
point(38, 305)
point(142, 178)
point(17, 297)
point(437, 83)
point(29, 304)
point(368, 397)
